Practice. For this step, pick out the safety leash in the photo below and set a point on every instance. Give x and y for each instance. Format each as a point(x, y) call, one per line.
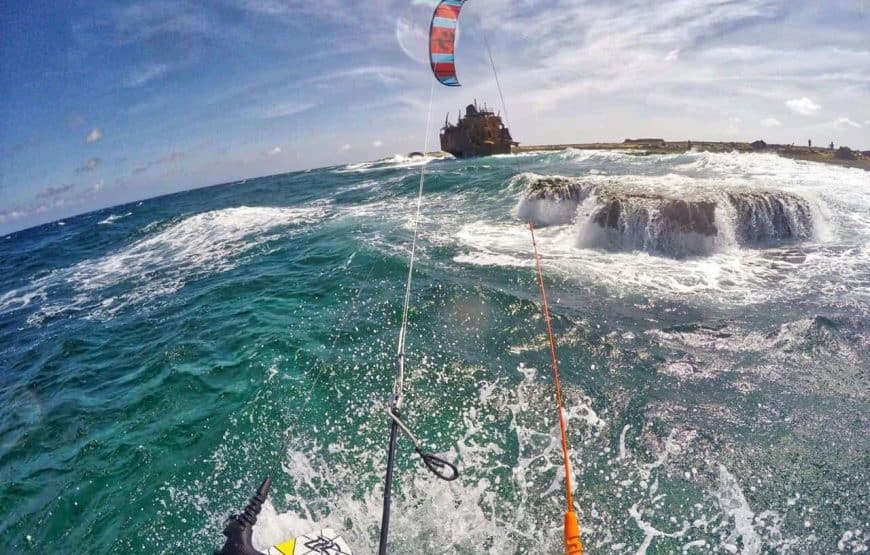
point(573, 543)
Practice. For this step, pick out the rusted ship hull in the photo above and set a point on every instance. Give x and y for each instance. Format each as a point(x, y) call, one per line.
point(479, 133)
point(459, 144)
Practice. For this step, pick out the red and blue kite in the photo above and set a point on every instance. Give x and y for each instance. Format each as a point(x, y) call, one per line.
point(442, 41)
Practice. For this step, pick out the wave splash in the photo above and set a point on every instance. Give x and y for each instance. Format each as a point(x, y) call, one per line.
point(617, 216)
point(466, 515)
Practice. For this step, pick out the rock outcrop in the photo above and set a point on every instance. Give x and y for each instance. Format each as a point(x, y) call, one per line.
point(617, 216)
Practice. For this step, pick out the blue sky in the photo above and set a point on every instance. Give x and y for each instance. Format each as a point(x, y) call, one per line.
point(107, 102)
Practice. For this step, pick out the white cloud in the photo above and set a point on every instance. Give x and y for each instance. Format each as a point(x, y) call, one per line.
point(345, 147)
point(672, 55)
point(302, 9)
point(770, 122)
point(146, 20)
point(7, 216)
point(170, 158)
point(32, 209)
point(283, 110)
point(52, 192)
point(89, 166)
point(266, 7)
point(142, 75)
point(383, 74)
point(843, 121)
point(377, 143)
point(803, 106)
point(94, 136)
point(274, 152)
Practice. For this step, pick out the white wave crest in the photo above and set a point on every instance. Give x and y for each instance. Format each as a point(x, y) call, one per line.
point(161, 263)
point(112, 218)
point(394, 162)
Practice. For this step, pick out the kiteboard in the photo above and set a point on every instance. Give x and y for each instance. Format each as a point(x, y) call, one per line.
point(322, 542)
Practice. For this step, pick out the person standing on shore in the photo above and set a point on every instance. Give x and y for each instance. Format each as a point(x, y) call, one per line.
point(810, 144)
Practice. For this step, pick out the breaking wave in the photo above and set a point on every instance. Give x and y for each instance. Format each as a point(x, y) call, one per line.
point(616, 216)
point(394, 162)
point(160, 263)
point(112, 218)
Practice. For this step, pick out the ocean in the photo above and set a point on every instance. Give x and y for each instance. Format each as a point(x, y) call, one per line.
point(158, 359)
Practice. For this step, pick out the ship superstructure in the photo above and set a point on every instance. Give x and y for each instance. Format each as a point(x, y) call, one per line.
point(480, 133)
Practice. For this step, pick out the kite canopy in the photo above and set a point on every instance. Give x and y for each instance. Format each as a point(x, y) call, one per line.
point(442, 41)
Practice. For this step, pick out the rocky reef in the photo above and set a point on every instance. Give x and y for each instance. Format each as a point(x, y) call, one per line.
point(557, 188)
point(652, 223)
point(618, 217)
point(681, 215)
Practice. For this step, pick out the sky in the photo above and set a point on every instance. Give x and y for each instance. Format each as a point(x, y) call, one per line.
point(108, 102)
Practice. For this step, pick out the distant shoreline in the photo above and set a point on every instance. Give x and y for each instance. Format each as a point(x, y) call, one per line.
point(643, 147)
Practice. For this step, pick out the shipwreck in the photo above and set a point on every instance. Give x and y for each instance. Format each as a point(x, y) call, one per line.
point(480, 133)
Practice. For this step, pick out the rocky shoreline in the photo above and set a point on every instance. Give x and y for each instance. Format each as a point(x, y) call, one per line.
point(842, 156)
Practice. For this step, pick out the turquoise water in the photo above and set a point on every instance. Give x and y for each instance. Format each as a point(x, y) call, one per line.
point(158, 359)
